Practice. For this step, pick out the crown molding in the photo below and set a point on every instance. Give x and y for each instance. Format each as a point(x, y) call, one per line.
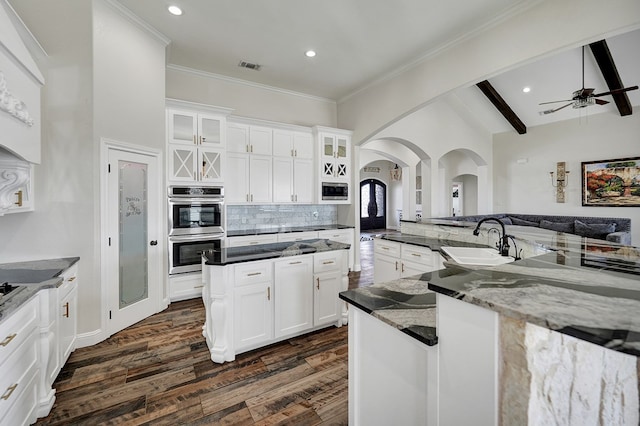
point(247, 83)
point(135, 19)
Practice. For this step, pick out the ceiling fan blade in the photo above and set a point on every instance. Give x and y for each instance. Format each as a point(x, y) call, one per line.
point(586, 92)
point(549, 111)
point(625, 89)
point(554, 102)
point(601, 102)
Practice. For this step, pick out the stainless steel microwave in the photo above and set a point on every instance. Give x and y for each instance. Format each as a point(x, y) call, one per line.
point(335, 191)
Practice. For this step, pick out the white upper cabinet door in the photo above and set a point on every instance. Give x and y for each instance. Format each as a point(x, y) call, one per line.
point(211, 130)
point(237, 137)
point(236, 188)
point(283, 143)
point(210, 163)
point(183, 127)
point(182, 163)
point(260, 179)
point(260, 140)
point(283, 180)
point(303, 145)
point(303, 180)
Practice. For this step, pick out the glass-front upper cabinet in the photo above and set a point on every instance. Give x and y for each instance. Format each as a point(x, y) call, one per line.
point(190, 128)
point(335, 156)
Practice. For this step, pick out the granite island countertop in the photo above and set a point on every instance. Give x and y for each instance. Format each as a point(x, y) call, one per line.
point(230, 255)
point(28, 278)
point(586, 288)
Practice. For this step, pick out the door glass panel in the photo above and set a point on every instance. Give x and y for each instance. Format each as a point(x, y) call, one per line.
point(342, 148)
point(183, 127)
point(210, 130)
point(380, 200)
point(132, 194)
point(183, 163)
point(328, 146)
point(364, 200)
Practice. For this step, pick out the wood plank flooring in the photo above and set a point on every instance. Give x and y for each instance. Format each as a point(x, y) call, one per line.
point(159, 372)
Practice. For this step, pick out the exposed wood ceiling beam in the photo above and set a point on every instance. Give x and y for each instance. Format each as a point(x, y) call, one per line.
point(502, 106)
point(610, 73)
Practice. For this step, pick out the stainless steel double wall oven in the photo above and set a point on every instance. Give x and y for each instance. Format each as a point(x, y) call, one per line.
point(196, 223)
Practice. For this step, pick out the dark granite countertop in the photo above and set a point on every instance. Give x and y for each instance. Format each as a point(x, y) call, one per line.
point(586, 288)
point(28, 278)
point(229, 255)
point(284, 229)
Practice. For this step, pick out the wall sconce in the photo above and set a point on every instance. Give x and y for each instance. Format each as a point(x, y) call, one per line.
point(561, 181)
point(396, 173)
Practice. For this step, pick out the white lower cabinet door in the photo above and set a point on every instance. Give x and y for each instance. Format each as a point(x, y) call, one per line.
point(386, 268)
point(293, 280)
point(326, 304)
point(253, 314)
point(409, 269)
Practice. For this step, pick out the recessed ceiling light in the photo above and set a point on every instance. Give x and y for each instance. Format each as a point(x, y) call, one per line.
point(526, 89)
point(310, 53)
point(175, 10)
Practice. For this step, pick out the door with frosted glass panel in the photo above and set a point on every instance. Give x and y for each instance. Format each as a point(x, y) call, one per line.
point(373, 204)
point(134, 253)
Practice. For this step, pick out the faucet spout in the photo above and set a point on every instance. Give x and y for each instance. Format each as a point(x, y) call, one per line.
point(503, 245)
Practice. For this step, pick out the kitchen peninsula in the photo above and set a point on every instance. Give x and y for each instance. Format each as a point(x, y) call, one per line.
point(549, 339)
point(260, 294)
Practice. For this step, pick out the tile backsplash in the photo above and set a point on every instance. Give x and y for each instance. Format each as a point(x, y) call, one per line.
point(250, 217)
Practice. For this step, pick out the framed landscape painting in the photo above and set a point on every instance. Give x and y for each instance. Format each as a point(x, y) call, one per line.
point(611, 183)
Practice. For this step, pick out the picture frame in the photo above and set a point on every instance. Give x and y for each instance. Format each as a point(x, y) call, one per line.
point(611, 183)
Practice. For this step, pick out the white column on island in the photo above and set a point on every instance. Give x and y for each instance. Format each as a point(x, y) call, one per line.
point(218, 326)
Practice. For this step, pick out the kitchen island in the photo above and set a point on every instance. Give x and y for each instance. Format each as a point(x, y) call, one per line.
point(261, 294)
point(550, 339)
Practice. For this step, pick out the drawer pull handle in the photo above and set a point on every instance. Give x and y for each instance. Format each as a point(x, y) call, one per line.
point(384, 248)
point(253, 243)
point(295, 263)
point(198, 286)
point(253, 274)
point(71, 278)
point(318, 280)
point(402, 269)
point(416, 254)
point(268, 293)
point(9, 391)
point(396, 265)
point(328, 262)
point(66, 312)
point(8, 339)
point(19, 195)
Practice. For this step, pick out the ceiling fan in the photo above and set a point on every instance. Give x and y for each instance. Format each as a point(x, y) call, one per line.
point(584, 97)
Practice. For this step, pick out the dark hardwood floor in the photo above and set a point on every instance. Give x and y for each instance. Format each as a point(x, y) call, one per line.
point(158, 371)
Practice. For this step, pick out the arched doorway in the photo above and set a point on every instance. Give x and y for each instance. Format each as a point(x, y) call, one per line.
point(373, 204)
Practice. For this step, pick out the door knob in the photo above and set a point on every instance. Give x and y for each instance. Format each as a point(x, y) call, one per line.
point(153, 243)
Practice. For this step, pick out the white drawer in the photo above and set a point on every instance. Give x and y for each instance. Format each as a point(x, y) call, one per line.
point(69, 278)
point(16, 329)
point(17, 373)
point(390, 248)
point(253, 272)
point(340, 236)
point(329, 261)
point(297, 236)
point(251, 240)
point(417, 254)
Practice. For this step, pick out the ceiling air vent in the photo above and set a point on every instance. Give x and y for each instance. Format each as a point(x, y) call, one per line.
point(245, 64)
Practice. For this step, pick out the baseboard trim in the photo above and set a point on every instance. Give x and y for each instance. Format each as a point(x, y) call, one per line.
point(90, 338)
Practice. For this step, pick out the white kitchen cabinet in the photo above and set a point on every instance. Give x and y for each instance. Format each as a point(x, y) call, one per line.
point(249, 139)
point(196, 146)
point(19, 363)
point(293, 281)
point(297, 236)
point(196, 129)
point(185, 286)
point(327, 283)
point(249, 179)
point(23, 196)
point(251, 240)
point(253, 315)
point(288, 143)
point(292, 167)
point(394, 260)
point(345, 236)
point(335, 155)
point(68, 317)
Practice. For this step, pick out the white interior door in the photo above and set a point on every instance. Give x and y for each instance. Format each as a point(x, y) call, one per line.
point(134, 259)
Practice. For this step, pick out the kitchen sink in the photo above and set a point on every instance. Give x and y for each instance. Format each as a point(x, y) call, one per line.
point(483, 256)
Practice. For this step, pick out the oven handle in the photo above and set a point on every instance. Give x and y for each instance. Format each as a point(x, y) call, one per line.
point(190, 200)
point(197, 237)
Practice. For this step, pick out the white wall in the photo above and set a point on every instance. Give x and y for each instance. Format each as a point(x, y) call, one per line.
point(123, 99)
point(252, 101)
point(526, 187)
